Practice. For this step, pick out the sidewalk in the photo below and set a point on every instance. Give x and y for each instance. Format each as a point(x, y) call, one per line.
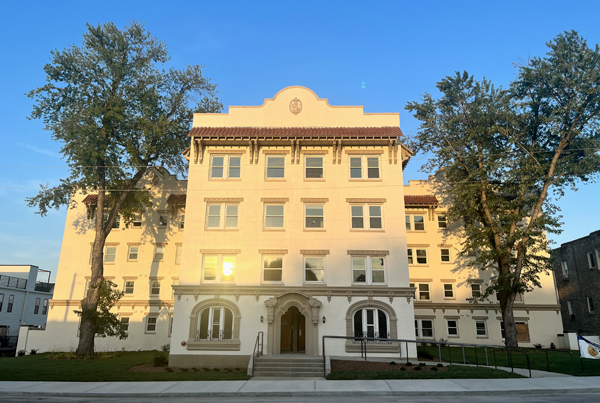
point(291, 388)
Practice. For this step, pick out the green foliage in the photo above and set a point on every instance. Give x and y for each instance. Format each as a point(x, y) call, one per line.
point(72, 356)
point(502, 158)
point(107, 322)
point(392, 362)
point(423, 352)
point(160, 358)
point(33, 351)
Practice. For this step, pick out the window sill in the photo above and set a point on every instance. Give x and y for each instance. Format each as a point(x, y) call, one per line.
point(272, 283)
point(222, 229)
point(316, 283)
point(274, 229)
point(371, 284)
point(415, 231)
point(447, 263)
point(224, 179)
point(109, 264)
point(147, 332)
point(315, 230)
point(233, 345)
point(382, 347)
point(275, 180)
point(482, 337)
point(454, 336)
point(140, 227)
point(314, 180)
point(450, 298)
point(132, 261)
point(366, 230)
point(417, 265)
point(365, 180)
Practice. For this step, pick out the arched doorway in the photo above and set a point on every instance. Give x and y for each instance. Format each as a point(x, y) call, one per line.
point(293, 331)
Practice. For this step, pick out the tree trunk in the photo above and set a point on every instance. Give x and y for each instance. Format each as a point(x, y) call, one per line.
point(510, 331)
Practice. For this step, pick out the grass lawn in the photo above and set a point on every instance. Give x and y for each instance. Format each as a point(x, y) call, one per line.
point(454, 372)
point(39, 368)
point(558, 360)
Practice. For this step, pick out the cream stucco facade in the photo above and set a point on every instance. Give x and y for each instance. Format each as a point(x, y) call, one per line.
point(292, 223)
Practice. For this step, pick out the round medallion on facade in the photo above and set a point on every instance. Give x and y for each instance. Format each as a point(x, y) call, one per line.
point(295, 106)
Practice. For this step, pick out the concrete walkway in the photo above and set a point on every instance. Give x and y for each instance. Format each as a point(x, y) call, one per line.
point(292, 388)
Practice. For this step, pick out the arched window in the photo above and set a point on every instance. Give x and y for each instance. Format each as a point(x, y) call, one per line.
point(215, 323)
point(371, 322)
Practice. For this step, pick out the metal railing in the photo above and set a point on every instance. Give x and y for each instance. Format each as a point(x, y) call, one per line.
point(13, 282)
point(44, 287)
point(488, 349)
point(258, 350)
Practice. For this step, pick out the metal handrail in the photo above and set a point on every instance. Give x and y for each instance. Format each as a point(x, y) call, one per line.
point(364, 342)
point(258, 349)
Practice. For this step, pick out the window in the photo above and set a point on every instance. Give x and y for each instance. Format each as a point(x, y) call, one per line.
point(137, 221)
point(218, 268)
point(222, 215)
point(420, 254)
point(422, 291)
point(442, 223)
point(125, 324)
point(475, 290)
point(1, 301)
point(445, 255)
point(368, 270)
point(45, 307)
point(225, 167)
point(565, 269)
point(371, 322)
point(448, 291)
point(155, 287)
point(590, 304)
point(570, 308)
point(313, 168)
point(274, 215)
point(159, 252)
point(117, 222)
point(423, 328)
point(375, 218)
point(151, 324)
point(591, 260)
point(178, 254)
point(522, 331)
point(313, 216)
point(415, 223)
point(452, 326)
point(272, 268)
point(163, 220)
point(129, 286)
point(133, 253)
point(481, 328)
point(275, 167)
point(314, 268)
point(36, 309)
point(364, 168)
point(110, 254)
point(11, 300)
point(181, 221)
point(215, 323)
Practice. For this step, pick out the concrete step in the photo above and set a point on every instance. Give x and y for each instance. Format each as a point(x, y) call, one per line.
point(288, 367)
point(289, 364)
point(279, 374)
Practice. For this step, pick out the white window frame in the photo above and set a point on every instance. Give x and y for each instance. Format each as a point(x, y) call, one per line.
point(267, 269)
point(211, 323)
point(306, 216)
point(124, 322)
point(11, 303)
point(425, 289)
point(163, 220)
point(36, 308)
point(223, 216)
point(322, 167)
point(419, 329)
point(448, 327)
point(364, 168)
point(130, 252)
point(366, 220)
point(485, 329)
point(227, 166)
point(267, 159)
point(570, 308)
point(375, 325)
point(413, 256)
point(565, 269)
point(324, 269)
point(451, 289)
point(178, 252)
point(592, 262)
point(126, 287)
point(266, 207)
point(136, 221)
point(442, 221)
point(151, 321)
point(590, 304)
point(442, 255)
point(411, 225)
point(368, 261)
point(106, 254)
point(153, 288)
point(473, 291)
point(159, 253)
point(219, 276)
point(45, 307)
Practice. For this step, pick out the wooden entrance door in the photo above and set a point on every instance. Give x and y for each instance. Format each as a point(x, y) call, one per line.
point(292, 331)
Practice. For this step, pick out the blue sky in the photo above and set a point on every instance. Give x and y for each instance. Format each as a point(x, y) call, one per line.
point(377, 54)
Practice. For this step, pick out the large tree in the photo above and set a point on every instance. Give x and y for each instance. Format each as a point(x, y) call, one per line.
point(117, 112)
point(505, 156)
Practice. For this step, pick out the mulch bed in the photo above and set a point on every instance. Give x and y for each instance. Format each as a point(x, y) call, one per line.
point(151, 368)
point(340, 365)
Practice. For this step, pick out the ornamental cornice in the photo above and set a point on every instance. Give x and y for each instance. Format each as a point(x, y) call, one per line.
point(221, 251)
point(224, 199)
point(275, 199)
point(365, 200)
point(314, 200)
point(364, 252)
point(272, 251)
point(314, 251)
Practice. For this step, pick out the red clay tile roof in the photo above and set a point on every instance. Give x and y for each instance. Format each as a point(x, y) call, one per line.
point(176, 199)
point(420, 200)
point(91, 199)
point(295, 132)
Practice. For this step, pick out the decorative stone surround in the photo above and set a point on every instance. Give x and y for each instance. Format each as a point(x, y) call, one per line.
point(365, 200)
point(275, 199)
point(314, 252)
point(273, 251)
point(314, 200)
point(222, 251)
point(360, 252)
point(224, 199)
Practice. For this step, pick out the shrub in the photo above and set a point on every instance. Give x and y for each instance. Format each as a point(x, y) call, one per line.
point(194, 369)
point(408, 364)
point(552, 346)
point(538, 345)
point(393, 363)
point(33, 351)
point(402, 369)
point(205, 369)
point(160, 359)
point(440, 365)
point(421, 364)
point(237, 369)
point(216, 369)
point(417, 368)
point(166, 347)
point(424, 353)
point(184, 370)
point(169, 369)
point(434, 368)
